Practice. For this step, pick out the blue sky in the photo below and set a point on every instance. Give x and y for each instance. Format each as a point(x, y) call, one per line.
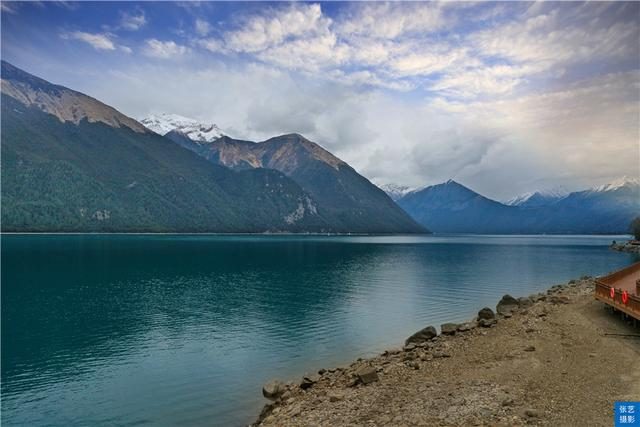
point(504, 97)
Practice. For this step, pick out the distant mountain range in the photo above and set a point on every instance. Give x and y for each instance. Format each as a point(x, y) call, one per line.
point(72, 163)
point(453, 208)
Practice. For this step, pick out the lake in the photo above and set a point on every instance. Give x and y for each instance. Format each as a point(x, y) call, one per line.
point(184, 330)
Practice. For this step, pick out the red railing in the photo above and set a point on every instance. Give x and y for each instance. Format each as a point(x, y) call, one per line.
point(604, 286)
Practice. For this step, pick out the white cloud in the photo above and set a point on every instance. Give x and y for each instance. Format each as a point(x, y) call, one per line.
point(391, 20)
point(202, 27)
point(554, 38)
point(427, 62)
point(260, 32)
point(164, 49)
point(97, 41)
point(416, 44)
point(133, 21)
point(211, 44)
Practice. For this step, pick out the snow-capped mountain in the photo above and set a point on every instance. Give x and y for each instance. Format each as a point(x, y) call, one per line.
point(395, 191)
point(452, 208)
point(538, 198)
point(196, 131)
point(624, 182)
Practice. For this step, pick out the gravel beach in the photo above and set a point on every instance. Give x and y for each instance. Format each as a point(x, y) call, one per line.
point(556, 359)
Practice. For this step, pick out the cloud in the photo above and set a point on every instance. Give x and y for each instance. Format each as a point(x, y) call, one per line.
point(552, 38)
point(392, 20)
point(97, 41)
point(260, 32)
point(164, 49)
point(132, 21)
point(202, 27)
point(459, 50)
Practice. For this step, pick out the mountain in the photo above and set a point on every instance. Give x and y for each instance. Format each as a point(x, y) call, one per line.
point(608, 208)
point(454, 208)
point(396, 192)
point(538, 198)
point(347, 198)
point(72, 163)
point(192, 129)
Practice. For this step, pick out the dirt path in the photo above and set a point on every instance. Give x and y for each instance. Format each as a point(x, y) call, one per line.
point(547, 364)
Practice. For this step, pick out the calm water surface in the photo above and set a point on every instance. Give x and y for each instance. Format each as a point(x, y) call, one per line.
point(184, 330)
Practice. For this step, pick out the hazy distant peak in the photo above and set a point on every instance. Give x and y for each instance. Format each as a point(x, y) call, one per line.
point(624, 181)
point(196, 131)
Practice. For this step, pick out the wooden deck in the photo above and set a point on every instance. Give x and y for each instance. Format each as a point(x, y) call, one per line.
point(624, 285)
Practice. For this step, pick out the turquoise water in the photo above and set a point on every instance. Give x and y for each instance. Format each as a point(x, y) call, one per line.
point(184, 330)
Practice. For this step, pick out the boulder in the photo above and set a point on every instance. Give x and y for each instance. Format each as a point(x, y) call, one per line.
point(422, 335)
point(486, 313)
point(309, 380)
point(367, 374)
point(448, 328)
point(507, 304)
point(273, 389)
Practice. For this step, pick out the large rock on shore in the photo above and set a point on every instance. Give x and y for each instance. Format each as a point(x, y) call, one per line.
point(273, 389)
point(367, 374)
point(422, 335)
point(309, 380)
point(486, 314)
point(507, 305)
point(449, 328)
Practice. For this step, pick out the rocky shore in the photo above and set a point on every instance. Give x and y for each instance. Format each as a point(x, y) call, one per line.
point(632, 246)
point(557, 358)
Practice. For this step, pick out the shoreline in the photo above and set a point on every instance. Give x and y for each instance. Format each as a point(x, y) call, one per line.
point(472, 373)
point(629, 246)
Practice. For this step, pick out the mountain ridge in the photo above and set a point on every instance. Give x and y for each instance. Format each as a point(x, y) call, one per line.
point(453, 208)
point(72, 163)
point(336, 186)
point(64, 103)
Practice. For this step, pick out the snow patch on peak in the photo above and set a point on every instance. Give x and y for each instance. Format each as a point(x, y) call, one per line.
point(395, 191)
point(196, 131)
point(546, 195)
point(618, 183)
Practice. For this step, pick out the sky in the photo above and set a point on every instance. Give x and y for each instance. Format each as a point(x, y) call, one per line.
point(503, 97)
